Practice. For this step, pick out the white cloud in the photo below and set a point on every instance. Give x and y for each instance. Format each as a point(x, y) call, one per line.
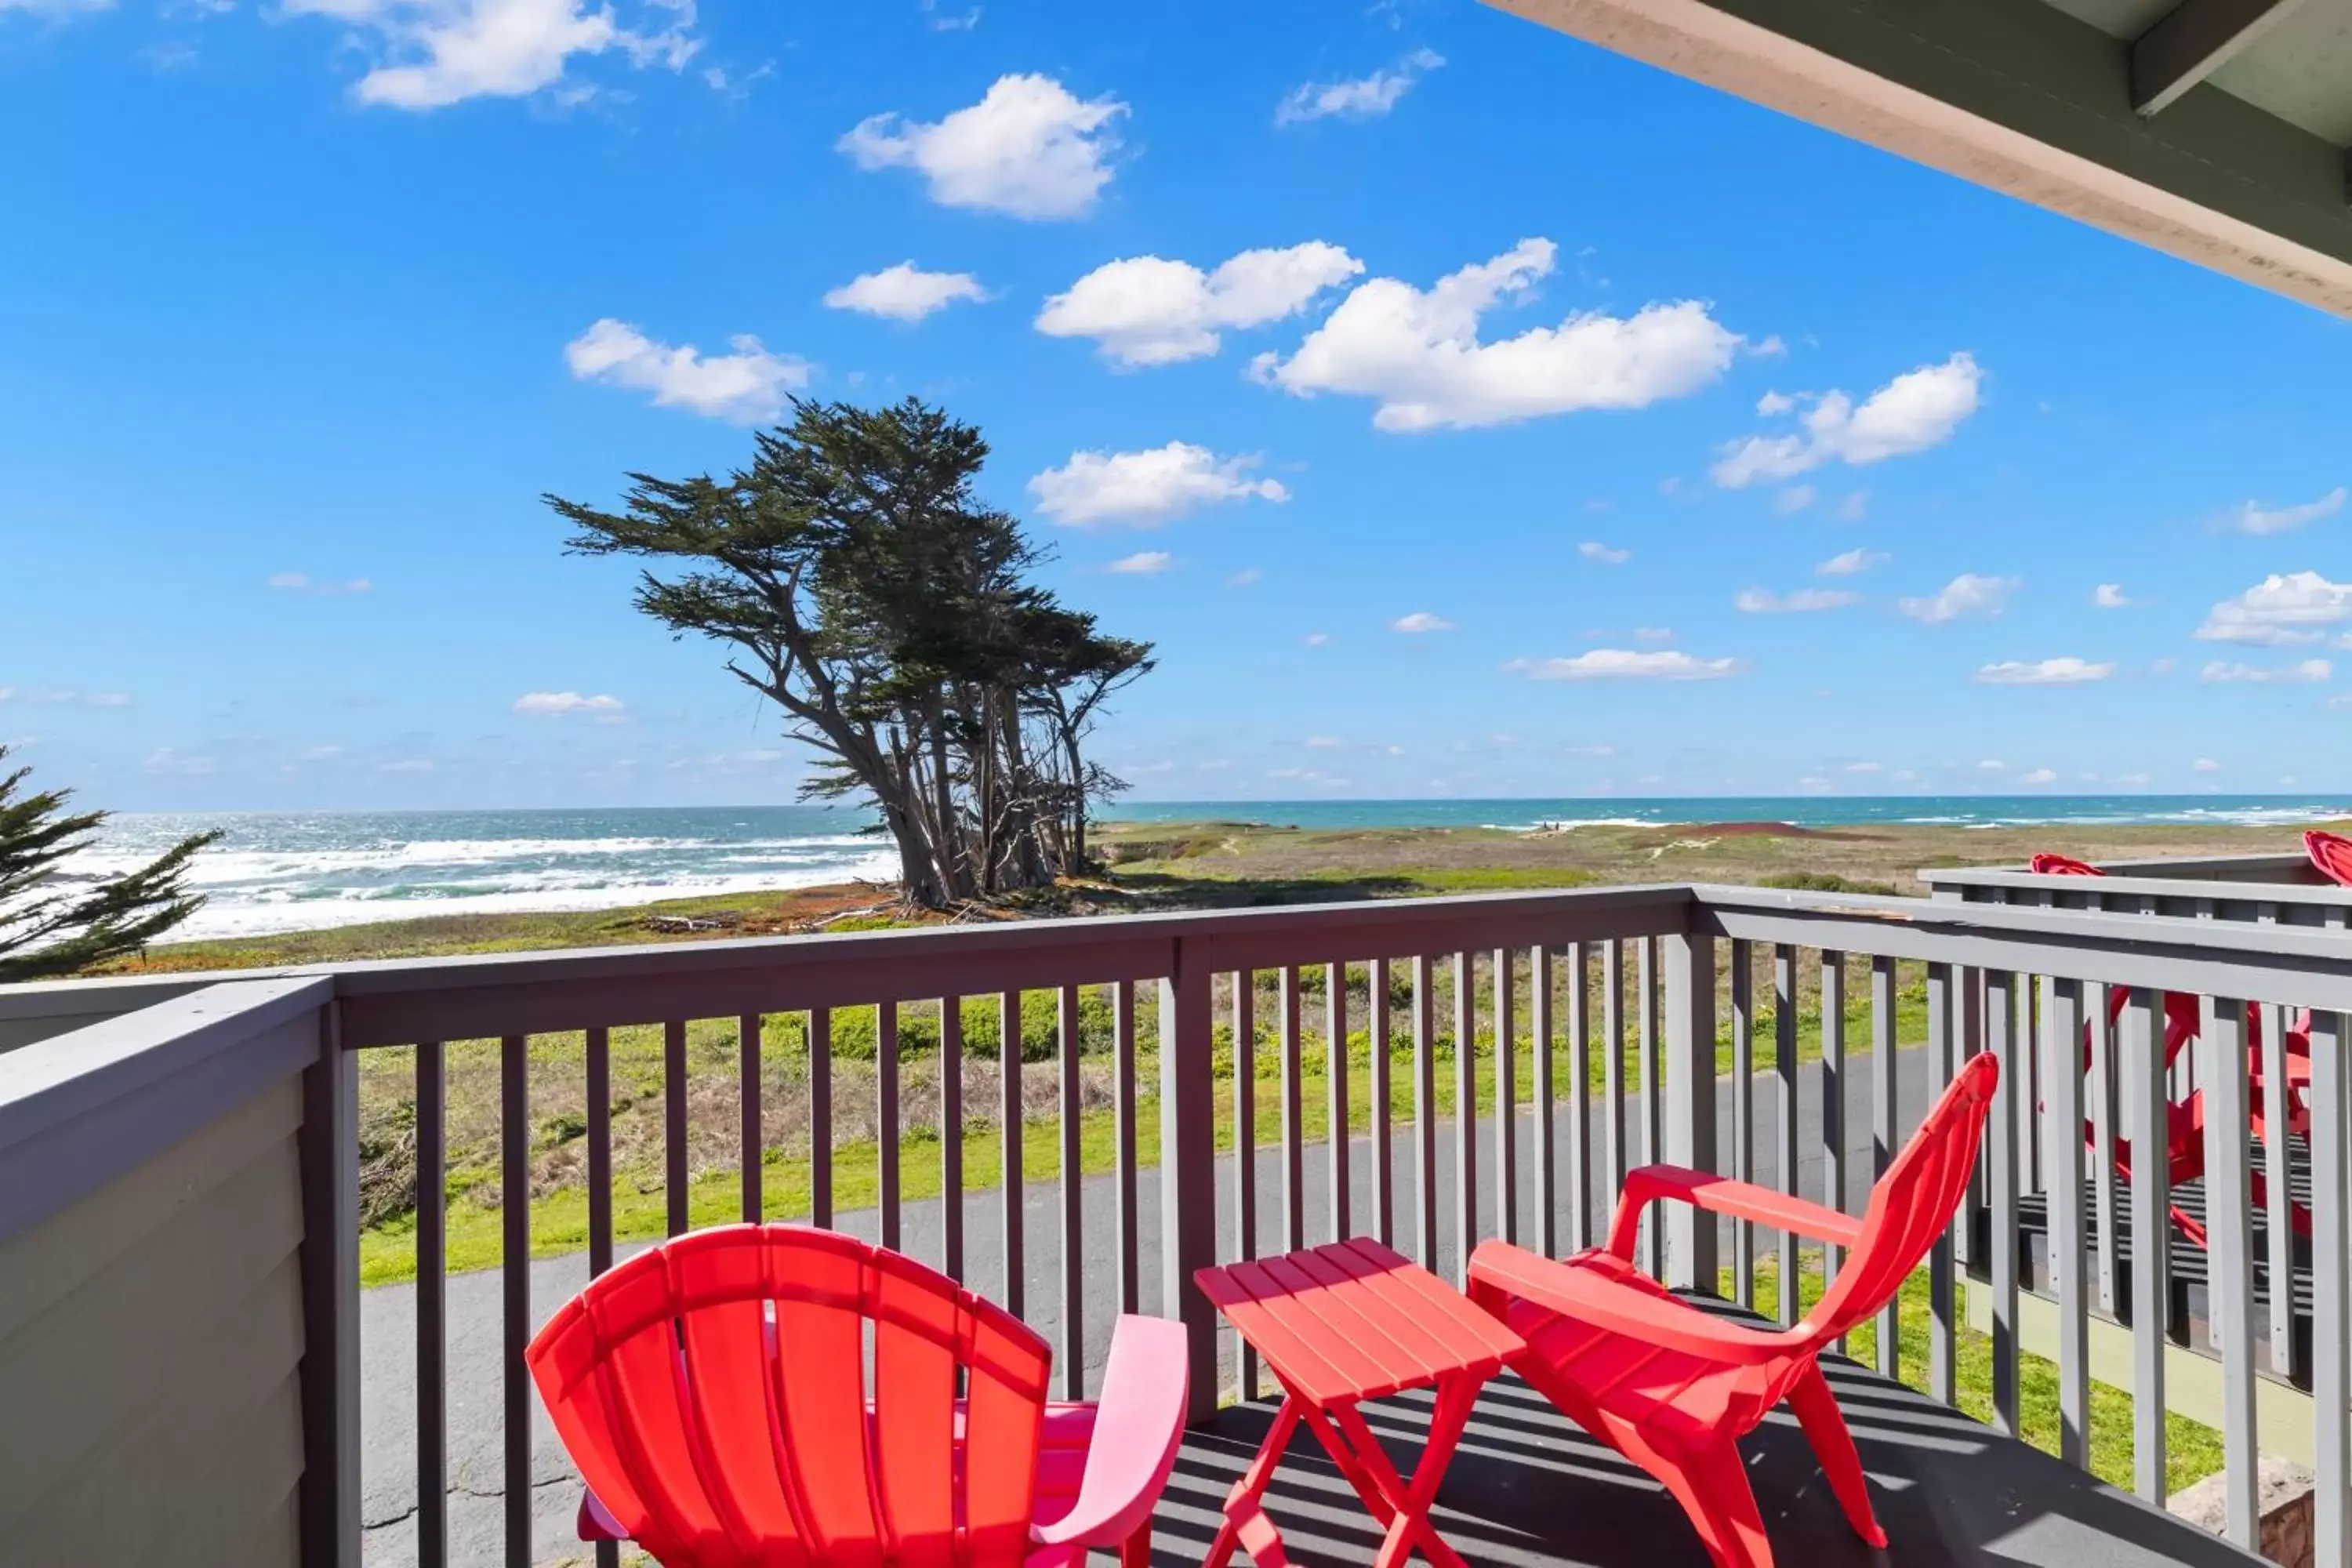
point(1359, 98)
point(1325, 744)
point(1793, 500)
point(1418, 353)
point(2251, 517)
point(1148, 310)
point(1317, 639)
point(430, 54)
point(1918, 409)
point(2309, 670)
point(1608, 555)
point(1143, 564)
point(1146, 489)
point(2040, 776)
point(54, 7)
point(556, 704)
point(1970, 593)
point(2109, 597)
point(1028, 148)
point(2278, 611)
point(1653, 634)
point(2068, 672)
point(166, 759)
point(1772, 404)
point(1804, 601)
point(1864, 768)
point(301, 582)
point(904, 292)
point(746, 386)
point(1418, 622)
point(61, 697)
point(1247, 577)
point(408, 765)
point(1854, 508)
point(1852, 563)
point(2205, 765)
point(1626, 664)
point(2130, 781)
point(946, 22)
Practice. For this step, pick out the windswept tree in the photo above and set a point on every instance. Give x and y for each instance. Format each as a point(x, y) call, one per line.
point(864, 588)
point(53, 924)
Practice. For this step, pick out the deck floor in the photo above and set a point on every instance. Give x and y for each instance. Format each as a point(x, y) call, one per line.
point(1529, 1490)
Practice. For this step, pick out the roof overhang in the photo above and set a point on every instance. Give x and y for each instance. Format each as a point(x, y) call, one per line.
point(2211, 128)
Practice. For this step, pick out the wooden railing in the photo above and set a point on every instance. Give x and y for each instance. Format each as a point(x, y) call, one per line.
point(1491, 1065)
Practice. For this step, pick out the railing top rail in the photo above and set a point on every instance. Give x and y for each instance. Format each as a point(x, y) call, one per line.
point(2278, 879)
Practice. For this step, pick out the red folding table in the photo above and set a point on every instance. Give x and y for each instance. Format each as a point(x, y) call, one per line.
point(1338, 1325)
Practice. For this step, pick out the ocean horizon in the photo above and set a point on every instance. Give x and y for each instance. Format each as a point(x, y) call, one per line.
point(278, 871)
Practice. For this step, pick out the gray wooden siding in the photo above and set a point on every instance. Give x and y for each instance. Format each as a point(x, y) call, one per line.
point(155, 1325)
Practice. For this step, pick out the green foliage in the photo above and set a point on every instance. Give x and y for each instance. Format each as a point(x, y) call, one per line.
point(50, 927)
point(856, 1030)
point(1827, 882)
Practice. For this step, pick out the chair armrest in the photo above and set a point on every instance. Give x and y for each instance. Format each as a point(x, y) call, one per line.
point(1721, 1195)
point(1139, 1425)
point(1592, 1298)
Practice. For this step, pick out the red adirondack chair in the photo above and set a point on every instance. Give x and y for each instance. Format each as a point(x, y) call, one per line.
point(2184, 1131)
point(1674, 1388)
point(714, 1394)
point(2332, 854)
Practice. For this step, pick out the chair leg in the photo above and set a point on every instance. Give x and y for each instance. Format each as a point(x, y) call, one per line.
point(1712, 1486)
point(1824, 1424)
point(1135, 1552)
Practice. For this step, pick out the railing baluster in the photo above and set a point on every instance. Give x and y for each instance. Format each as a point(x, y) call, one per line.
point(1612, 1071)
point(2001, 1156)
point(2228, 1207)
point(952, 1137)
point(1743, 1116)
point(2331, 1295)
point(1833, 1077)
point(1424, 1109)
point(1507, 1085)
point(1943, 1340)
point(1784, 1160)
point(1382, 1115)
point(2278, 1214)
point(747, 1091)
point(2144, 1082)
point(1334, 1068)
point(1580, 1098)
point(2100, 1033)
point(1546, 1108)
point(1294, 1110)
point(1883, 1104)
point(1969, 986)
point(2062, 1025)
point(674, 1123)
point(1073, 1353)
point(819, 1053)
point(432, 1309)
point(1122, 1023)
point(1465, 1116)
point(886, 1119)
point(514, 1268)
point(1245, 1147)
point(1653, 1098)
point(1010, 1112)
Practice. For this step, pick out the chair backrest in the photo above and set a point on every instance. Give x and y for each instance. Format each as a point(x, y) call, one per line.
point(1912, 1204)
point(714, 1392)
point(2332, 854)
point(2062, 865)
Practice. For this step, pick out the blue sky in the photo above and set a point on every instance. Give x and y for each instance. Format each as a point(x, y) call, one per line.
point(1730, 457)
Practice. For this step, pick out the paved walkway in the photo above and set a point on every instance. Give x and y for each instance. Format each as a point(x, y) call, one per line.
point(477, 1507)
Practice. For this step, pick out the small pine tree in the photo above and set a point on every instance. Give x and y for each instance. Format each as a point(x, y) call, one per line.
point(48, 928)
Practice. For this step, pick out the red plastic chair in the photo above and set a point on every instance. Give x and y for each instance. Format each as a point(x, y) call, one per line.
point(2184, 1132)
point(714, 1394)
point(1674, 1388)
point(2332, 854)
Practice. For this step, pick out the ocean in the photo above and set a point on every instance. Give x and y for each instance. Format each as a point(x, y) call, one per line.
point(294, 871)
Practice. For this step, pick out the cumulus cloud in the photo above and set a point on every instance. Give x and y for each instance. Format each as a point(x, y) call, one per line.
point(560, 704)
point(1419, 622)
point(1804, 601)
point(1029, 148)
point(2038, 776)
point(2205, 765)
point(1918, 409)
point(1358, 98)
point(1793, 500)
point(1852, 563)
point(303, 583)
point(2252, 517)
point(1418, 352)
point(1627, 664)
point(1608, 555)
point(430, 54)
point(2297, 608)
point(2068, 672)
point(2309, 670)
point(746, 386)
point(2109, 597)
point(1148, 310)
point(1143, 489)
point(1143, 564)
point(1967, 595)
point(904, 292)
